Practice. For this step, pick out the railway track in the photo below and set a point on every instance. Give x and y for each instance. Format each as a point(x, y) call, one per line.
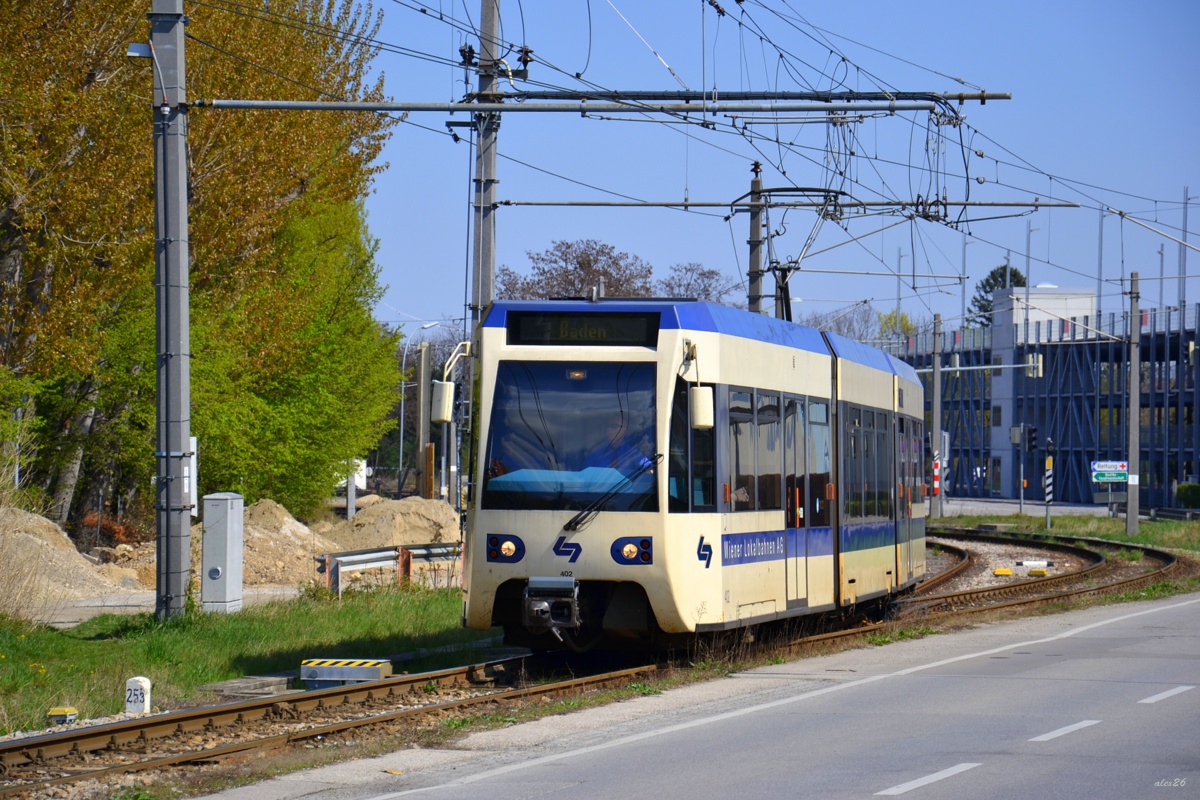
point(1107, 568)
point(32, 765)
point(206, 735)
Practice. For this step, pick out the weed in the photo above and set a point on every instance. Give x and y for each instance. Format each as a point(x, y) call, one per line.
point(644, 688)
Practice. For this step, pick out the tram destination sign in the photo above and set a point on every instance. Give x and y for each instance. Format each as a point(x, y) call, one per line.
point(569, 328)
point(1110, 471)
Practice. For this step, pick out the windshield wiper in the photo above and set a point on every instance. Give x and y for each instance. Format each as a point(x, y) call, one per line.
point(584, 517)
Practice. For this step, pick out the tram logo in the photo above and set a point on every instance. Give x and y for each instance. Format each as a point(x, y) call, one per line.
point(564, 548)
point(704, 553)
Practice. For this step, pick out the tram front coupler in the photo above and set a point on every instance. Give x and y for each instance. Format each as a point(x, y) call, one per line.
point(551, 604)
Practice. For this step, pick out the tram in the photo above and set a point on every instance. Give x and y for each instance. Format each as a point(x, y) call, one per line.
point(643, 470)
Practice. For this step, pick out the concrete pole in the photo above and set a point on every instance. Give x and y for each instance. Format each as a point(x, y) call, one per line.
point(1028, 278)
point(1100, 271)
point(1135, 407)
point(754, 300)
point(487, 126)
point(935, 422)
point(1162, 281)
point(1183, 262)
point(173, 503)
point(963, 319)
point(424, 479)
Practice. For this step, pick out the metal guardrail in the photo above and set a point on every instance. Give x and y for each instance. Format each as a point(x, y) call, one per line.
point(428, 558)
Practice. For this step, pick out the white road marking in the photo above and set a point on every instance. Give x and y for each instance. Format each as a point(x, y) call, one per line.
point(919, 782)
point(1045, 737)
point(533, 762)
point(1166, 694)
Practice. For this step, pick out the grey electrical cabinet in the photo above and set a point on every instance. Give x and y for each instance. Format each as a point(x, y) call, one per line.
point(221, 562)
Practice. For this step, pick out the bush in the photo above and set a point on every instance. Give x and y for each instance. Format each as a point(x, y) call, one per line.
point(1188, 495)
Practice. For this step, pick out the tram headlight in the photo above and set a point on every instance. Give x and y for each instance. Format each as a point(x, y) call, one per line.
point(504, 549)
point(633, 550)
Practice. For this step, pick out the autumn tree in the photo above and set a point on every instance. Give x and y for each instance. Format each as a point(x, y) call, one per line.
point(895, 323)
point(696, 281)
point(76, 231)
point(573, 269)
point(859, 322)
point(980, 311)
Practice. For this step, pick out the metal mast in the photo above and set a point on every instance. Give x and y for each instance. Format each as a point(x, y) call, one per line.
point(173, 497)
point(487, 124)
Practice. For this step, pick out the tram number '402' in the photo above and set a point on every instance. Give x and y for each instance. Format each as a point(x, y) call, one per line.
point(566, 573)
point(135, 694)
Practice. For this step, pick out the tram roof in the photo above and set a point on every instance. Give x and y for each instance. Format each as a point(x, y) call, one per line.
point(694, 315)
point(691, 315)
point(860, 353)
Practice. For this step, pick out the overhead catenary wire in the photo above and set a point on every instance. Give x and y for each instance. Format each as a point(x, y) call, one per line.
point(933, 169)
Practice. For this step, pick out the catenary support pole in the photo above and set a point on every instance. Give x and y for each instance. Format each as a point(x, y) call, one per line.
point(487, 126)
point(756, 215)
point(173, 502)
point(1133, 428)
point(935, 422)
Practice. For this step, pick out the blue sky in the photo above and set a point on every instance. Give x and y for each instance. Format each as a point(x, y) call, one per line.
point(1105, 110)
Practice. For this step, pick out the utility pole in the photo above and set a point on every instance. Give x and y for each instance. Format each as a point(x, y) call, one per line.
point(173, 503)
point(756, 216)
point(935, 423)
point(487, 126)
point(1135, 408)
point(963, 319)
point(1183, 259)
point(1100, 272)
point(1028, 278)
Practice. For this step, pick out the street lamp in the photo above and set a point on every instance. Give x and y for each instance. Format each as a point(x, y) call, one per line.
point(403, 394)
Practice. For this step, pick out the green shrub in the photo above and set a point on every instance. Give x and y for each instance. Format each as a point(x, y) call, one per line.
point(1188, 495)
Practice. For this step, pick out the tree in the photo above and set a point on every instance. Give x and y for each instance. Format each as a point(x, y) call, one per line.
point(859, 322)
point(76, 229)
point(696, 281)
point(980, 311)
point(290, 429)
point(573, 269)
point(895, 324)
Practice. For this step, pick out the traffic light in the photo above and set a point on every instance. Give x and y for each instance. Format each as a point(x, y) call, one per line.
point(1031, 438)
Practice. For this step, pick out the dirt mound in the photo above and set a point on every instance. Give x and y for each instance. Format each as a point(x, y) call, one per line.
point(278, 548)
point(40, 575)
point(14, 520)
point(43, 567)
point(268, 515)
point(391, 523)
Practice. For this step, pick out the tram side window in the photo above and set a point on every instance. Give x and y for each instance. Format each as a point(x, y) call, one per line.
point(820, 460)
point(692, 463)
point(770, 458)
point(704, 469)
point(852, 481)
point(883, 471)
point(793, 463)
point(677, 464)
point(741, 456)
point(870, 467)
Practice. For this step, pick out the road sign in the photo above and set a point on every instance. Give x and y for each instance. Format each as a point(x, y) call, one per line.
point(1110, 471)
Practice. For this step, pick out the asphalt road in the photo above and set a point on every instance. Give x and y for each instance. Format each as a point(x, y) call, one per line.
point(1097, 704)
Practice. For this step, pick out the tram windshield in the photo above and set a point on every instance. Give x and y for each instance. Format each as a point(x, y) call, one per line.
point(565, 434)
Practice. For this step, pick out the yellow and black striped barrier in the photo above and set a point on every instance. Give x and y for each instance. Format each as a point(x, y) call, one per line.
point(324, 673)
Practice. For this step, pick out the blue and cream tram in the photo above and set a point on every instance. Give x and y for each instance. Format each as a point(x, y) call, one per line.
point(648, 468)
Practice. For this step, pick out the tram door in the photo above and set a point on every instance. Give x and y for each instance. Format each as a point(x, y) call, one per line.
point(903, 503)
point(795, 488)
